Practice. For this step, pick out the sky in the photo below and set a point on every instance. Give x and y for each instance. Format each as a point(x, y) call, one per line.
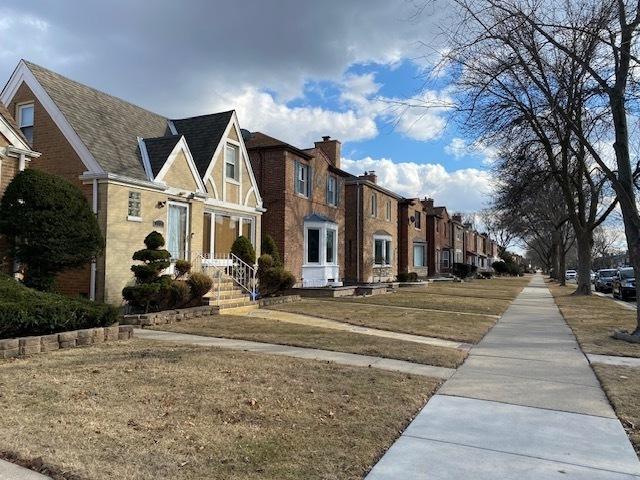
point(293, 69)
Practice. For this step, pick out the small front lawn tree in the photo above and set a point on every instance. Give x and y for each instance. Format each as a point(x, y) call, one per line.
point(50, 224)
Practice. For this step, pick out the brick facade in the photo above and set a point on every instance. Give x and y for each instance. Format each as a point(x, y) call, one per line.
point(439, 233)
point(363, 227)
point(412, 236)
point(274, 167)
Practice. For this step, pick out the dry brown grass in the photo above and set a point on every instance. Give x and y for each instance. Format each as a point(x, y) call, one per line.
point(593, 319)
point(143, 410)
point(450, 326)
point(622, 386)
point(284, 333)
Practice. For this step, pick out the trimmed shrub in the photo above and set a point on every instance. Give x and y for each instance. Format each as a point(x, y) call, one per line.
point(408, 277)
point(199, 284)
point(464, 270)
point(500, 267)
point(51, 224)
point(273, 279)
point(243, 249)
point(269, 247)
point(181, 268)
point(27, 312)
point(179, 293)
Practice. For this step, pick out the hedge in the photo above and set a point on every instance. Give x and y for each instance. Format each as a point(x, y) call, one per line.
point(26, 312)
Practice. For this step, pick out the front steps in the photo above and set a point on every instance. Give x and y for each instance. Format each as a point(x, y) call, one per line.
point(231, 297)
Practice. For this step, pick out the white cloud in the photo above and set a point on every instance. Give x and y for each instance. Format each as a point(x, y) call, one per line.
point(459, 148)
point(465, 190)
point(299, 126)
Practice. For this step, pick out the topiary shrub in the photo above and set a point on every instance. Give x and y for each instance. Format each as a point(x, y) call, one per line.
point(269, 247)
point(464, 270)
point(273, 279)
point(51, 226)
point(26, 312)
point(151, 290)
point(200, 284)
point(500, 267)
point(181, 268)
point(243, 249)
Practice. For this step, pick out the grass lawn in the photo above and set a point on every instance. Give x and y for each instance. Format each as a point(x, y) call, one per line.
point(144, 410)
point(593, 319)
point(450, 326)
point(273, 331)
point(622, 386)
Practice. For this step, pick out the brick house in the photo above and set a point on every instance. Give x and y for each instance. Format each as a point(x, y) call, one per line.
point(303, 193)
point(371, 231)
point(412, 237)
point(439, 242)
point(188, 178)
point(457, 239)
point(15, 155)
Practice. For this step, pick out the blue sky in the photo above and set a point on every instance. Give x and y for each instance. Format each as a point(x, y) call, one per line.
point(334, 68)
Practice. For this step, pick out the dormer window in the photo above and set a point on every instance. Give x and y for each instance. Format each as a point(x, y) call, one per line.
point(25, 121)
point(231, 156)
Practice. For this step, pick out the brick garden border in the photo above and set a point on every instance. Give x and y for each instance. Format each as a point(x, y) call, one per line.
point(169, 316)
point(22, 346)
point(269, 301)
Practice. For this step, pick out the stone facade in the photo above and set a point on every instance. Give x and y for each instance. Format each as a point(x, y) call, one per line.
point(371, 220)
point(412, 237)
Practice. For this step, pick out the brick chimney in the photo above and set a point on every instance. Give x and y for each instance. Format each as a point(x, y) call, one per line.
point(457, 217)
point(332, 148)
point(370, 176)
point(428, 204)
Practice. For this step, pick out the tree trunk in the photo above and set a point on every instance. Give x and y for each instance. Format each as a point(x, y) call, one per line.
point(562, 264)
point(585, 246)
point(556, 241)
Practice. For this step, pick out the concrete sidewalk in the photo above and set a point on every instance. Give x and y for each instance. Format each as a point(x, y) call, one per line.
point(10, 471)
point(525, 405)
point(352, 359)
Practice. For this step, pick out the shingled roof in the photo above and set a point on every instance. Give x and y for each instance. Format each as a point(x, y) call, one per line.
point(203, 134)
point(159, 149)
point(259, 140)
point(107, 125)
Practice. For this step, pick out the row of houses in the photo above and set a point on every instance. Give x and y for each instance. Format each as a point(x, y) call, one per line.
point(203, 181)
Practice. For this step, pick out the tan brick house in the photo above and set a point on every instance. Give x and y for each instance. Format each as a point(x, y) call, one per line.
point(303, 194)
point(371, 231)
point(412, 237)
point(188, 178)
point(439, 258)
point(15, 154)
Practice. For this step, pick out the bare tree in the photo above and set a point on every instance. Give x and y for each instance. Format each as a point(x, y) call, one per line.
point(496, 224)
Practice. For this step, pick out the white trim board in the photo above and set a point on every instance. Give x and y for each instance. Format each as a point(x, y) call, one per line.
point(21, 75)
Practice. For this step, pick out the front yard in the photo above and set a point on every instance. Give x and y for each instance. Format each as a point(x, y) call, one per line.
point(143, 410)
point(273, 331)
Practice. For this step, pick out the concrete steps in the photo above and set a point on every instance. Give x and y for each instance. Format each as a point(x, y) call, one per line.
point(230, 298)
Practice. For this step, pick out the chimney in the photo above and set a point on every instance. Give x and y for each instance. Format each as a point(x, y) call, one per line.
point(332, 148)
point(370, 176)
point(457, 217)
point(428, 204)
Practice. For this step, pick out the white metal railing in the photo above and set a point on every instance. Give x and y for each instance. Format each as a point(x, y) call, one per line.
point(219, 266)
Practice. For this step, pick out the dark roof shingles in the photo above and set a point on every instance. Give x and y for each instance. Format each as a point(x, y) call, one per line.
point(159, 149)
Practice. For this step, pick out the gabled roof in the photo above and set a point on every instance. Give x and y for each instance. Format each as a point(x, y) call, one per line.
point(203, 134)
point(6, 115)
point(107, 125)
point(159, 149)
point(316, 217)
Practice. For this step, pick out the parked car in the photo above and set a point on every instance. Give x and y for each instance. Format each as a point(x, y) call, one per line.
point(624, 284)
point(592, 276)
point(570, 275)
point(604, 279)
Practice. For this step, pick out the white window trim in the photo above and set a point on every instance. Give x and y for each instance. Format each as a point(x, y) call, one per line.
point(423, 246)
point(335, 190)
point(299, 167)
point(373, 205)
point(323, 227)
point(236, 179)
point(385, 238)
point(19, 108)
point(415, 224)
point(388, 211)
point(132, 218)
point(240, 217)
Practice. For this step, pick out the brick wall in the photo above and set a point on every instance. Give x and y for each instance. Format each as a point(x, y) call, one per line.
point(59, 158)
point(409, 234)
point(8, 170)
point(438, 240)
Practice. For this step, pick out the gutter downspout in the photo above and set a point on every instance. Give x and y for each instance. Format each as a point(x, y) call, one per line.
point(94, 207)
point(22, 162)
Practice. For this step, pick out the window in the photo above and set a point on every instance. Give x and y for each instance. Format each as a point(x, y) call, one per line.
point(332, 190)
point(331, 246)
point(418, 222)
point(220, 231)
point(313, 245)
point(303, 175)
point(389, 211)
point(231, 162)
point(382, 250)
point(177, 231)
point(418, 255)
point(25, 121)
point(134, 211)
point(445, 259)
point(374, 205)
